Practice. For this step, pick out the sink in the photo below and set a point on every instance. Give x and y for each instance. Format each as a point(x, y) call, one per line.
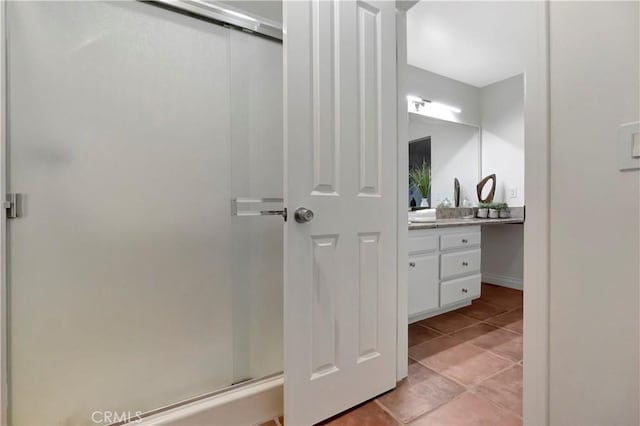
point(425, 215)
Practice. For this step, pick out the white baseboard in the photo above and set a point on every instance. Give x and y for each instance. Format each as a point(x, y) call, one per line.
point(502, 280)
point(432, 313)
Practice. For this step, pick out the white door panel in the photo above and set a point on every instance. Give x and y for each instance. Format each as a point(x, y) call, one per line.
point(340, 284)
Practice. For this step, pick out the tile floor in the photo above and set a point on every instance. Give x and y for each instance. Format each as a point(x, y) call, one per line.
point(465, 368)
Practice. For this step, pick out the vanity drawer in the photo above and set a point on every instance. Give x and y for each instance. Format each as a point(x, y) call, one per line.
point(423, 243)
point(458, 290)
point(461, 240)
point(459, 263)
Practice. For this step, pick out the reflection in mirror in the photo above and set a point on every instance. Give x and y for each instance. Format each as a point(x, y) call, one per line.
point(420, 172)
point(451, 150)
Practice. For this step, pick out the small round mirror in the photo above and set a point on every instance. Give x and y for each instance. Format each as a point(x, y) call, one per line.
point(486, 192)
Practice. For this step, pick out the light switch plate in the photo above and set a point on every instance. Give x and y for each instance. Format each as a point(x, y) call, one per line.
point(629, 146)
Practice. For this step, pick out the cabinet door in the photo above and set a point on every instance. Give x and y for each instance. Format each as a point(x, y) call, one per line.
point(424, 292)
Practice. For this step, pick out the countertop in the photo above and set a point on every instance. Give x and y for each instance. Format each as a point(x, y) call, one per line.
point(444, 223)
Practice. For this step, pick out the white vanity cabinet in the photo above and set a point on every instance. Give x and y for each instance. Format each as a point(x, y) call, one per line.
point(444, 270)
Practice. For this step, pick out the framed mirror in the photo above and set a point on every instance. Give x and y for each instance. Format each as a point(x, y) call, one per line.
point(449, 150)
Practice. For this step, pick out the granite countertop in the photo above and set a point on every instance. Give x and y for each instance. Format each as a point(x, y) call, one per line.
point(444, 223)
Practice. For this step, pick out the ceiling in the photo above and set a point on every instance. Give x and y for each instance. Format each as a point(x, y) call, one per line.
point(475, 42)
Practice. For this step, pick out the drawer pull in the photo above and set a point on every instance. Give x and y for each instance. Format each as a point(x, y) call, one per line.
point(412, 264)
point(464, 241)
point(465, 264)
point(464, 290)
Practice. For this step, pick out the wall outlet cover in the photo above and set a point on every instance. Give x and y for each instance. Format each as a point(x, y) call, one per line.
point(628, 159)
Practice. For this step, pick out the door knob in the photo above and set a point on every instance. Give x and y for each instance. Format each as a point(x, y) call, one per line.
point(303, 215)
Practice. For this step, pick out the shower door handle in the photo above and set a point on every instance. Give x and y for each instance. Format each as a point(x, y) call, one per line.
point(237, 202)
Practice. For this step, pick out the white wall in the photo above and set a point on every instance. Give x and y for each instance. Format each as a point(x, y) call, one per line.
point(502, 109)
point(594, 215)
point(503, 255)
point(502, 121)
point(454, 153)
point(438, 88)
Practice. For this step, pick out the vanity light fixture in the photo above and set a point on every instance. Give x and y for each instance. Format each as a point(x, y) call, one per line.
point(416, 101)
point(419, 102)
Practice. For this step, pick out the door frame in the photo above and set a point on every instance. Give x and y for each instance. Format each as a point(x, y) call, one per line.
point(4, 397)
point(536, 278)
point(536, 226)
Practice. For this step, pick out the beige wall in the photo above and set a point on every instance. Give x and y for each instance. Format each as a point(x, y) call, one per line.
point(594, 217)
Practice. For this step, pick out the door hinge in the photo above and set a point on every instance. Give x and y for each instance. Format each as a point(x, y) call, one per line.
point(13, 205)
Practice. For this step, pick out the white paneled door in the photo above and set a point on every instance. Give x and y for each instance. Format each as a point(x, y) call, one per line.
point(340, 266)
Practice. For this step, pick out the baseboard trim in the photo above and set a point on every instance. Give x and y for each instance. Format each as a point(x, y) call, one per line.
point(438, 311)
point(503, 280)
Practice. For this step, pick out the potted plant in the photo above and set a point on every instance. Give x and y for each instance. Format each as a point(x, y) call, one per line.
point(494, 212)
point(420, 179)
point(483, 210)
point(504, 211)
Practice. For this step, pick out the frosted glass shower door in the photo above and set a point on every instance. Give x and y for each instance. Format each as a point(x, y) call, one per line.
point(121, 272)
point(257, 172)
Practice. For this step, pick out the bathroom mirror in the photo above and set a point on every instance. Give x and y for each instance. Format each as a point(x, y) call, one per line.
point(450, 150)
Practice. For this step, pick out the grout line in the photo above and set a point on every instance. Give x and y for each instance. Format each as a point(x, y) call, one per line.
point(428, 328)
point(440, 406)
point(442, 374)
point(513, 364)
point(503, 328)
point(497, 355)
point(465, 386)
point(388, 411)
point(485, 349)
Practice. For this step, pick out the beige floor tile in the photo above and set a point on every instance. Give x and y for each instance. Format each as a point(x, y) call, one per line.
point(422, 391)
point(510, 320)
point(504, 389)
point(468, 410)
point(419, 334)
point(481, 310)
point(368, 414)
point(449, 322)
point(501, 342)
point(501, 296)
point(465, 363)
